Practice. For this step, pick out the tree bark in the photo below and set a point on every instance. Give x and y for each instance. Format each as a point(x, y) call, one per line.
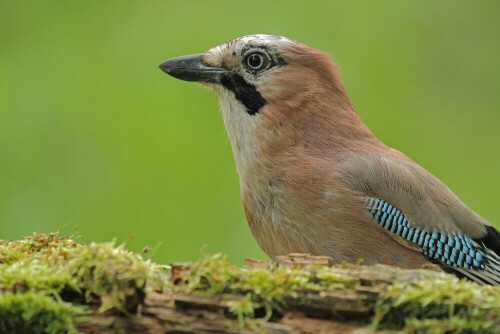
point(337, 311)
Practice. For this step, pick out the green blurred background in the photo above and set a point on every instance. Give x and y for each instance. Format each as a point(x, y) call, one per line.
point(92, 134)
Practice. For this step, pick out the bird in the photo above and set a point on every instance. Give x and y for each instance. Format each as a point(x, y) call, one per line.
point(313, 177)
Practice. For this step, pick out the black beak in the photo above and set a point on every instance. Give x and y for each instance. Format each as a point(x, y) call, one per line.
point(191, 68)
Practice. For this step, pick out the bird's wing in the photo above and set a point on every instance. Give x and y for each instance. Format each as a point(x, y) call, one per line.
point(413, 204)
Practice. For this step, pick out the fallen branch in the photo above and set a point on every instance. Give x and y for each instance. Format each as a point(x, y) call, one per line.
point(101, 288)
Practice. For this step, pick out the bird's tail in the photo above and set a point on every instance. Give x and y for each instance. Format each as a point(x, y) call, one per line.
point(490, 274)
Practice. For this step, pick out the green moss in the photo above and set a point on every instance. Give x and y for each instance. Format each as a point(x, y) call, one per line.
point(113, 274)
point(444, 303)
point(40, 273)
point(263, 289)
point(441, 304)
point(36, 312)
point(449, 325)
point(243, 308)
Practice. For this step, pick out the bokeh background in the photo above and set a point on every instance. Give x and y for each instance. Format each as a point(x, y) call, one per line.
point(93, 136)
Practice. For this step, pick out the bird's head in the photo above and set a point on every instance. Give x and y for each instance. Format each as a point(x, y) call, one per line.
point(274, 91)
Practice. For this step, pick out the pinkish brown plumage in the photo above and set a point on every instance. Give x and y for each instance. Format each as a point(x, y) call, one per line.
point(313, 177)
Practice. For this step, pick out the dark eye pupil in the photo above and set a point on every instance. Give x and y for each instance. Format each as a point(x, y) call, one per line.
point(255, 61)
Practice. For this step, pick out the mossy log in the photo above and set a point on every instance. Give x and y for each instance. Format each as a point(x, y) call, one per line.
point(57, 285)
point(350, 307)
point(304, 311)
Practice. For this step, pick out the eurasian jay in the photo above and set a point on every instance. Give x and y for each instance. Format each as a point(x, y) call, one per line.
point(313, 177)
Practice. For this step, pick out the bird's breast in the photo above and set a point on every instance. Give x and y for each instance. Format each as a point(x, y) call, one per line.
point(286, 213)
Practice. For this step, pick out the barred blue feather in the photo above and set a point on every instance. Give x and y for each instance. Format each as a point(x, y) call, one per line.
point(456, 250)
point(456, 253)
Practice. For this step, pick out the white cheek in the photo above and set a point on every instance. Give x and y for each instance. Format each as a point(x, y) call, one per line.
point(242, 130)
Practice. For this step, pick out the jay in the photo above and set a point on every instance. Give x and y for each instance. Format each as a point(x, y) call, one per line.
point(313, 177)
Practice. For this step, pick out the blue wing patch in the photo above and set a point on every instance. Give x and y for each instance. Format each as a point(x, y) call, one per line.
point(456, 250)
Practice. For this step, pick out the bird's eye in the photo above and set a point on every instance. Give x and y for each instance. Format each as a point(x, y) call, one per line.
point(256, 61)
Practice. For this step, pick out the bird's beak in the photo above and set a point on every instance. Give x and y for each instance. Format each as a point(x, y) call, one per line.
point(192, 68)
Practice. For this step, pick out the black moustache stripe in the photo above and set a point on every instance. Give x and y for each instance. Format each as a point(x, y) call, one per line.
point(245, 93)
